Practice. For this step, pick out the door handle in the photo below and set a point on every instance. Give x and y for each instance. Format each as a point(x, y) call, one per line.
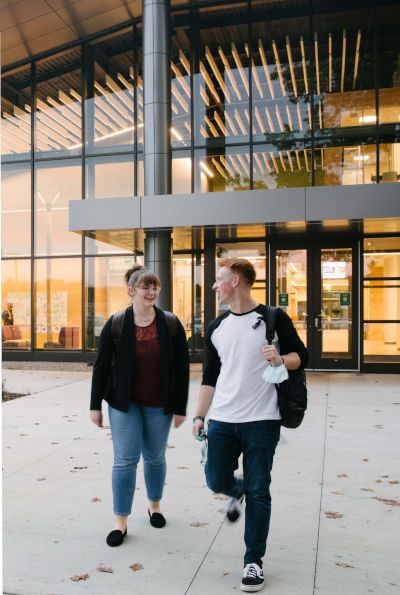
point(318, 323)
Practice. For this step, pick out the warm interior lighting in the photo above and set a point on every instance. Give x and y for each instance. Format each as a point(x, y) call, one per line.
point(289, 117)
point(184, 61)
point(317, 63)
point(179, 97)
point(361, 158)
point(176, 134)
point(278, 115)
point(220, 123)
point(267, 163)
point(330, 62)
point(343, 61)
point(278, 67)
point(219, 168)
point(299, 117)
point(303, 60)
point(217, 73)
point(205, 168)
point(227, 166)
point(240, 122)
point(290, 160)
point(356, 59)
point(289, 53)
point(259, 120)
point(270, 123)
point(282, 160)
point(265, 65)
point(256, 79)
point(229, 72)
point(306, 159)
point(209, 82)
point(274, 162)
point(367, 119)
point(238, 63)
point(230, 122)
point(298, 159)
point(211, 126)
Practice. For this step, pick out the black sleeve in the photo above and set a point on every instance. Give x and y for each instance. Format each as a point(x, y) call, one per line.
point(289, 340)
point(181, 363)
point(102, 366)
point(212, 364)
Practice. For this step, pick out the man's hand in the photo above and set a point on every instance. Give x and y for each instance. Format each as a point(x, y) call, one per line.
point(197, 426)
point(97, 417)
point(178, 420)
point(271, 355)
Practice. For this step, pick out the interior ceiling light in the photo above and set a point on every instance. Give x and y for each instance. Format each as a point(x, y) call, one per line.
point(356, 58)
point(205, 168)
point(278, 67)
point(266, 69)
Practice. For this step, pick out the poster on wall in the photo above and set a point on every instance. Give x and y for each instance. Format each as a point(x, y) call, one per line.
point(21, 303)
point(59, 312)
point(334, 270)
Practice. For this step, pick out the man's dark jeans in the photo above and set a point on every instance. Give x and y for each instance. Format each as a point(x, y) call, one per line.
point(257, 440)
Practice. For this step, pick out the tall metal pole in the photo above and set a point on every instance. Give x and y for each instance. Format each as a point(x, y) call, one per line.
point(157, 143)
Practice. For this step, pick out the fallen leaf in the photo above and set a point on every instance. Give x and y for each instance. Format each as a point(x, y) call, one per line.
point(225, 573)
point(332, 416)
point(338, 493)
point(77, 438)
point(136, 566)
point(23, 434)
point(220, 497)
point(170, 446)
point(333, 515)
point(393, 482)
point(385, 476)
point(365, 460)
point(344, 565)
point(65, 415)
point(54, 443)
point(40, 479)
point(79, 577)
point(395, 403)
point(342, 475)
point(198, 524)
point(72, 471)
point(96, 500)
point(366, 489)
point(388, 501)
point(80, 467)
point(37, 423)
point(377, 409)
point(106, 427)
point(379, 426)
point(102, 569)
point(182, 467)
point(378, 481)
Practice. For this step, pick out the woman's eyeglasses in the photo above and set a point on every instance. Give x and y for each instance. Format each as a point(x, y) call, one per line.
point(154, 288)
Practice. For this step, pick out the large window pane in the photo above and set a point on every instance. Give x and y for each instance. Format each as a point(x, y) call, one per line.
point(381, 257)
point(16, 304)
point(57, 183)
point(281, 72)
point(16, 210)
point(16, 115)
point(182, 278)
point(181, 172)
point(110, 177)
point(180, 80)
point(291, 280)
point(345, 164)
point(343, 70)
point(217, 171)
point(221, 80)
point(110, 104)
point(389, 162)
point(389, 70)
point(58, 117)
point(281, 166)
point(105, 292)
point(381, 342)
point(58, 303)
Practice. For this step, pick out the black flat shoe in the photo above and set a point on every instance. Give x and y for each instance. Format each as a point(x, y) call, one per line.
point(116, 537)
point(157, 520)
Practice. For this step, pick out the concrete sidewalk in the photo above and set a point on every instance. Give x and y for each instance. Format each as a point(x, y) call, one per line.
point(344, 459)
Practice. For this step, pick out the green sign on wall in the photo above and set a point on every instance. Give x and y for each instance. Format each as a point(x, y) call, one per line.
point(283, 299)
point(345, 298)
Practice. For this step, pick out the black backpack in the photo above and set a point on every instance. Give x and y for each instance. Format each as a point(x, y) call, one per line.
point(116, 327)
point(292, 393)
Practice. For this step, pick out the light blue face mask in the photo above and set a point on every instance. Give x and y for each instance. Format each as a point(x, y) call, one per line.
point(275, 374)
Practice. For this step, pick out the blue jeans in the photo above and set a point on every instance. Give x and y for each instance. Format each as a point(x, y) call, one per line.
point(257, 441)
point(140, 430)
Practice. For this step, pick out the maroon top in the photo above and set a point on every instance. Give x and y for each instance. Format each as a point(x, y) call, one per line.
point(147, 385)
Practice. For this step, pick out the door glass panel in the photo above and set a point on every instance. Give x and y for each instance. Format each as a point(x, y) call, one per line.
point(291, 287)
point(335, 319)
point(255, 253)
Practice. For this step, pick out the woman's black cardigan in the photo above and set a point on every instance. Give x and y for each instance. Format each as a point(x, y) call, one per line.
point(174, 366)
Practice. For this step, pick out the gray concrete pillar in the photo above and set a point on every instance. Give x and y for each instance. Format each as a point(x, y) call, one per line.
point(157, 144)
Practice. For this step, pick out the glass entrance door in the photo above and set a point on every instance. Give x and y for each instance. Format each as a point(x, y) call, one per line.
point(316, 287)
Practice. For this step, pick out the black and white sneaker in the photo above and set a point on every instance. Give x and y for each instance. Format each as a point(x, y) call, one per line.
point(234, 509)
point(253, 578)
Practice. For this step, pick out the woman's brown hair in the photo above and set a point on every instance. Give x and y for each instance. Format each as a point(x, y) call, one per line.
point(137, 273)
point(241, 267)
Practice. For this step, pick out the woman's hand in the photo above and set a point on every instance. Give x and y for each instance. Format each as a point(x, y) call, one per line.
point(97, 417)
point(271, 355)
point(178, 420)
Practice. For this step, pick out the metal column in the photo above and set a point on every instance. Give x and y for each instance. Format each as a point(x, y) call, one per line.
point(157, 124)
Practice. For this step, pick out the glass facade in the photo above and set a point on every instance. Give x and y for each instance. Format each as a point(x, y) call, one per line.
point(280, 95)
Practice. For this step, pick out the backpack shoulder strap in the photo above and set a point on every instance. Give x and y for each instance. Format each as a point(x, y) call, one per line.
point(172, 323)
point(270, 318)
point(116, 325)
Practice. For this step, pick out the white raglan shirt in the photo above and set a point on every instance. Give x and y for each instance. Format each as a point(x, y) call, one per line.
point(241, 395)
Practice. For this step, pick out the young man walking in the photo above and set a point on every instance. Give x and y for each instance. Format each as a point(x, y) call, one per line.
point(244, 416)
